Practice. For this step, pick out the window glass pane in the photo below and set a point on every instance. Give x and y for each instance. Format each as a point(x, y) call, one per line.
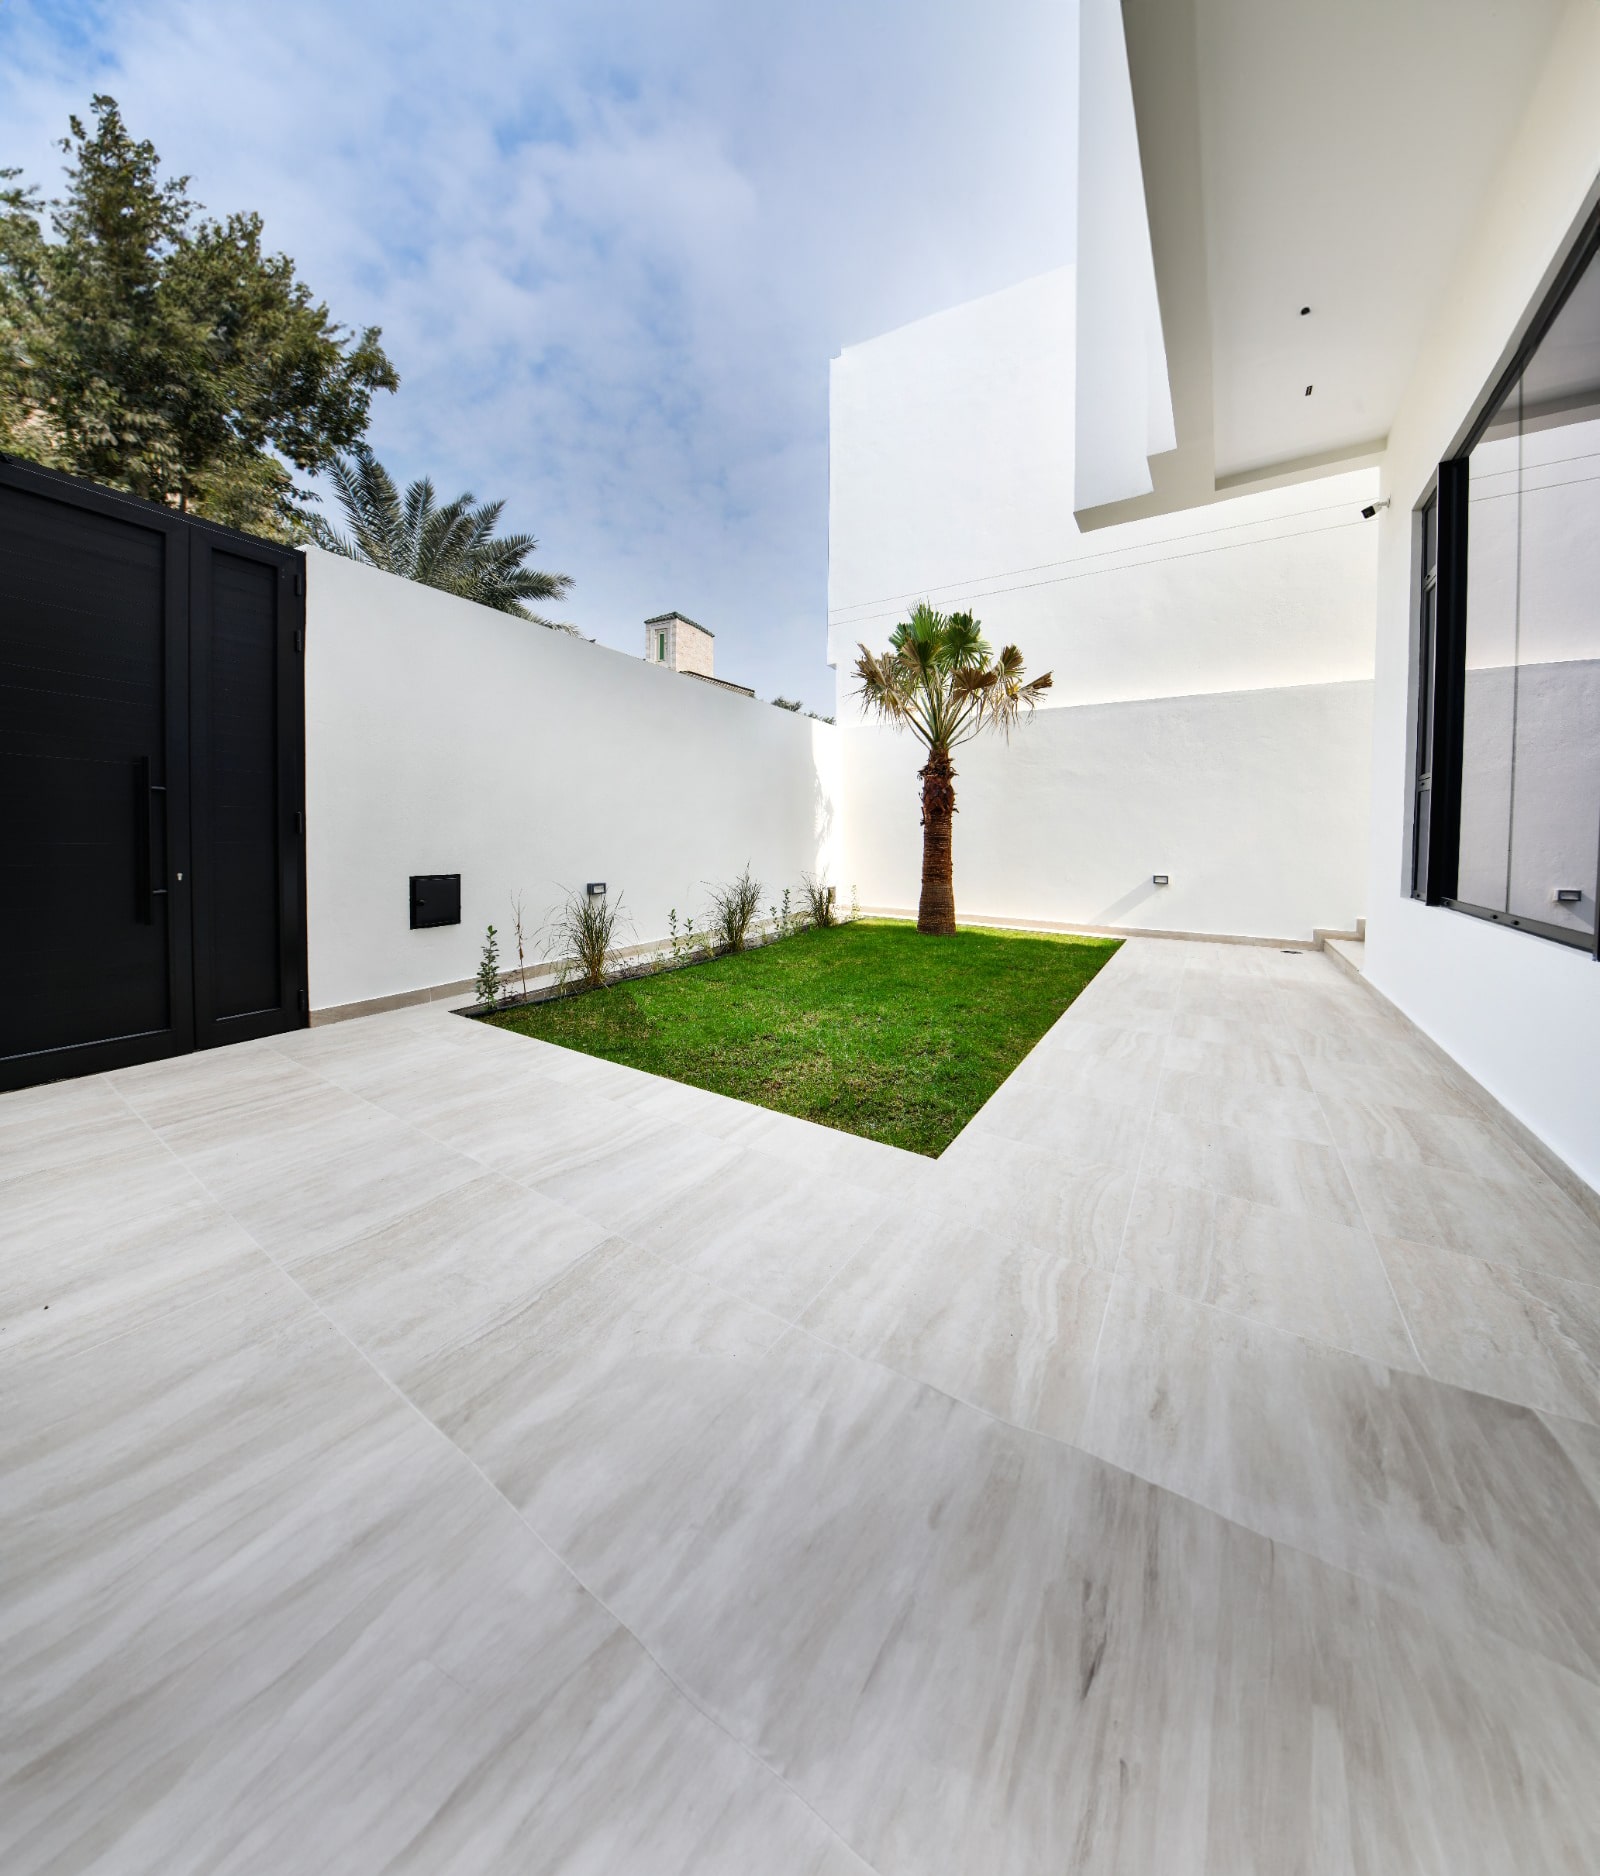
point(1427, 652)
point(1530, 786)
point(1486, 731)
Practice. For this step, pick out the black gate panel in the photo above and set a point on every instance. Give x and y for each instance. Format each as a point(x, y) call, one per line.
point(151, 699)
point(93, 963)
point(249, 786)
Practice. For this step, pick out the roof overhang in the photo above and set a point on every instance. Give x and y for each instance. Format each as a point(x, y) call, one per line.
point(1286, 154)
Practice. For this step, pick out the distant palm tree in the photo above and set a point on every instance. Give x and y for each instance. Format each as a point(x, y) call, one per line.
point(939, 680)
point(454, 547)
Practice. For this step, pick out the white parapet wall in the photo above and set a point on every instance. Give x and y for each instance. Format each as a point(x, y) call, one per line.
point(442, 737)
point(1243, 800)
point(1211, 716)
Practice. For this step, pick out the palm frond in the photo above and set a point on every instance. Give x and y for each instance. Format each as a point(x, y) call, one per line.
point(939, 679)
point(453, 546)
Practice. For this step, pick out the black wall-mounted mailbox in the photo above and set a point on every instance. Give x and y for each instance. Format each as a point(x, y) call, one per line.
point(435, 899)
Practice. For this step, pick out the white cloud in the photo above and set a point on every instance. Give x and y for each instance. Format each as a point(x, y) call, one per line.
point(612, 245)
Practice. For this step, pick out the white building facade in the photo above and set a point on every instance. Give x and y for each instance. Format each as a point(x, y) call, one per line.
point(1210, 721)
point(1371, 232)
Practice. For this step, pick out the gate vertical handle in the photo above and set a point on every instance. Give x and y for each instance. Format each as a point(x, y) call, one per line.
point(144, 863)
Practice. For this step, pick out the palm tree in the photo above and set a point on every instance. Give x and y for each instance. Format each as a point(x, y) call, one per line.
point(939, 680)
point(454, 547)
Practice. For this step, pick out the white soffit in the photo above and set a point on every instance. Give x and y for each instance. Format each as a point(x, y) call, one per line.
point(1123, 406)
point(1344, 151)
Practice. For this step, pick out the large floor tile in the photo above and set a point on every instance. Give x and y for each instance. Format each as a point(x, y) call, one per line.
point(1482, 1326)
point(762, 1227)
point(993, 1321)
point(93, 1250)
point(277, 1624)
point(1264, 1168)
point(1081, 1131)
point(622, 1177)
point(1407, 1079)
point(192, 1098)
point(1466, 1505)
point(587, 1407)
point(1293, 1113)
point(306, 1171)
point(447, 1271)
point(1320, 1280)
point(65, 1126)
point(1081, 1066)
point(1237, 1059)
point(889, 1171)
point(1370, 1130)
point(970, 1648)
point(1024, 1193)
point(1532, 1226)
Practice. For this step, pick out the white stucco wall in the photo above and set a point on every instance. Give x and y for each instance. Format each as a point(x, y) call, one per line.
point(442, 737)
point(1243, 798)
point(1520, 1013)
point(1123, 413)
point(1211, 711)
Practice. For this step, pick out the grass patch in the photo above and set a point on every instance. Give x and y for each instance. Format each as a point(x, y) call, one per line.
point(870, 1027)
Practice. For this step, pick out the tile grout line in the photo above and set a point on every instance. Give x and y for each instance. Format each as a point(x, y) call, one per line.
point(1366, 1222)
point(739, 1296)
point(527, 1185)
point(789, 1329)
point(1138, 1177)
point(466, 1459)
point(486, 1170)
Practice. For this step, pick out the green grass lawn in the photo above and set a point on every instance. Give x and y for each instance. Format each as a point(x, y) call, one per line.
point(869, 1027)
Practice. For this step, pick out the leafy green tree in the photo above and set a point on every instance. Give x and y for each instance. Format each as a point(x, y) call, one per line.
point(939, 680)
point(453, 547)
point(153, 349)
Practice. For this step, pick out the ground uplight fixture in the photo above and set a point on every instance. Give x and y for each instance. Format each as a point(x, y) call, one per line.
point(1567, 895)
point(1159, 879)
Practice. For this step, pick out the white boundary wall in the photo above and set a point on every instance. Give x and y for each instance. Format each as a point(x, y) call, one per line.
point(1521, 1014)
point(442, 737)
point(1211, 718)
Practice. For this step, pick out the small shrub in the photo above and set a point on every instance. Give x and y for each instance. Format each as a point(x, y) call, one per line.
point(489, 972)
point(585, 932)
point(732, 908)
point(519, 937)
point(686, 943)
point(819, 901)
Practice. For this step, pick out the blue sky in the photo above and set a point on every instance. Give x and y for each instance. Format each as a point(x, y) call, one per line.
point(612, 245)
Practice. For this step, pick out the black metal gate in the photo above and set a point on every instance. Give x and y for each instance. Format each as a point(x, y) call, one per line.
point(152, 781)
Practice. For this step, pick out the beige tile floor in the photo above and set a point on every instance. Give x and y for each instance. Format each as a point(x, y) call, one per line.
point(423, 1449)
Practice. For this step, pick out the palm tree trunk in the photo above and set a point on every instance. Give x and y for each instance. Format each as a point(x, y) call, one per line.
point(937, 911)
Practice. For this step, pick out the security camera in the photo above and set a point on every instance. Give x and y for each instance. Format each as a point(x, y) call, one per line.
point(1372, 508)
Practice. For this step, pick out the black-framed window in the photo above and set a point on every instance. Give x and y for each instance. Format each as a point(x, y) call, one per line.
point(1507, 803)
point(1427, 661)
